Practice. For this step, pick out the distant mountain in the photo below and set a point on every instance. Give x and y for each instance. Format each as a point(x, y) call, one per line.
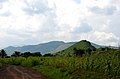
point(63, 47)
point(84, 45)
point(101, 46)
point(96, 45)
point(50, 47)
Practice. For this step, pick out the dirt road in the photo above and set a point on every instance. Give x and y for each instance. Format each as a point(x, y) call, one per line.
point(19, 72)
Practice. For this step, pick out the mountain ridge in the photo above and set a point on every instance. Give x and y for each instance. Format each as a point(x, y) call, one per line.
point(43, 47)
point(48, 47)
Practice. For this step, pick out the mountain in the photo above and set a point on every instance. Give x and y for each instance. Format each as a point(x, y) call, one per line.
point(101, 46)
point(63, 47)
point(50, 47)
point(96, 45)
point(84, 45)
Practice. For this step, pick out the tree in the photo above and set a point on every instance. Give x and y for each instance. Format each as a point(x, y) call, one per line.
point(79, 52)
point(75, 51)
point(26, 54)
point(48, 55)
point(36, 54)
point(88, 51)
point(13, 55)
point(16, 54)
point(3, 53)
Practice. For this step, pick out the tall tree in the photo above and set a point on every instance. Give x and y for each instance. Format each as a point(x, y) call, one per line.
point(3, 53)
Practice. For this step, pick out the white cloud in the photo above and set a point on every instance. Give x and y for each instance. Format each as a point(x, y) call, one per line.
point(82, 28)
point(103, 38)
point(35, 21)
point(107, 10)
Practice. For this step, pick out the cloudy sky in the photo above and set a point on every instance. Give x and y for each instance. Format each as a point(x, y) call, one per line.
point(24, 22)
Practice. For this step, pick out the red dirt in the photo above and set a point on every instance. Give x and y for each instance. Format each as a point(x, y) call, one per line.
point(19, 72)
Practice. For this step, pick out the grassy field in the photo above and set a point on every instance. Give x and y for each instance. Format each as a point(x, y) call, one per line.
point(99, 65)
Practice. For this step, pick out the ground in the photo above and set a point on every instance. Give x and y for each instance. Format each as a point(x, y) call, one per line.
point(19, 72)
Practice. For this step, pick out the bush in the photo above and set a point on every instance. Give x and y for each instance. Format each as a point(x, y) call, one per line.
point(31, 61)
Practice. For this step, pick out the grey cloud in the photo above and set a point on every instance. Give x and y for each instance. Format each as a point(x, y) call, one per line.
point(114, 25)
point(5, 14)
point(83, 28)
point(107, 10)
point(49, 25)
point(37, 8)
point(3, 1)
point(18, 33)
point(77, 1)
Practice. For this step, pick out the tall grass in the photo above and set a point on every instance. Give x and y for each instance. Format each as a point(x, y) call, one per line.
point(99, 65)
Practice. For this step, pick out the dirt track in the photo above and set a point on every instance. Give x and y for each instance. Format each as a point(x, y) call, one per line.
point(19, 72)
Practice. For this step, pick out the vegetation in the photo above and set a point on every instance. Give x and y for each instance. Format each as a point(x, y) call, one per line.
point(3, 53)
point(87, 63)
point(82, 45)
point(26, 54)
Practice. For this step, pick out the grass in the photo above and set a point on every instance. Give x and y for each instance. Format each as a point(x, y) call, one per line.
point(99, 65)
point(51, 72)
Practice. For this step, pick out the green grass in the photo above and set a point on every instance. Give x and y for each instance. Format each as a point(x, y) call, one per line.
point(52, 72)
point(99, 65)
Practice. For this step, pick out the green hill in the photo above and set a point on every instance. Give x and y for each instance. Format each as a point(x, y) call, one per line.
point(82, 45)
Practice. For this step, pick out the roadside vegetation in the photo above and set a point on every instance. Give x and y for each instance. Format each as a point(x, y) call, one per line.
point(102, 63)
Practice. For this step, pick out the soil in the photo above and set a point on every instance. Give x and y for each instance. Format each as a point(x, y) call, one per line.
point(19, 72)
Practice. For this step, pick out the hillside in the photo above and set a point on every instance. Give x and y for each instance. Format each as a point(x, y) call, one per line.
point(84, 45)
point(63, 47)
point(44, 48)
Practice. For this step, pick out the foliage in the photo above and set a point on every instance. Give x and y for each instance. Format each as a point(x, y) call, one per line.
point(31, 61)
point(16, 54)
point(79, 52)
point(26, 54)
point(82, 45)
point(3, 53)
point(100, 64)
point(48, 55)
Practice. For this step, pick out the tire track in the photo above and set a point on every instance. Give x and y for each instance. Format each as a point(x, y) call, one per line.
point(24, 75)
point(19, 72)
point(12, 73)
point(31, 72)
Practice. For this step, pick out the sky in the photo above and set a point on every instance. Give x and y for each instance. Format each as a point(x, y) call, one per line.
point(27, 22)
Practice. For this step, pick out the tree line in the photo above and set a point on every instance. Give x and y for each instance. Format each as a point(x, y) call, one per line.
point(3, 54)
point(26, 54)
